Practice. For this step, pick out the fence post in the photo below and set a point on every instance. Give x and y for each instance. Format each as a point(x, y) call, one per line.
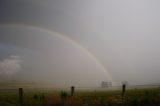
point(123, 89)
point(21, 95)
point(72, 90)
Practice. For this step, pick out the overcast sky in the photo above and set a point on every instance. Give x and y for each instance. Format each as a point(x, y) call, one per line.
point(80, 42)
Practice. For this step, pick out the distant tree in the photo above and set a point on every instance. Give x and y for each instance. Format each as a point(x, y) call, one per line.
point(125, 83)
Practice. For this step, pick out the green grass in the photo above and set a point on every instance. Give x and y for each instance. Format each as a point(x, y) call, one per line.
point(30, 98)
point(132, 97)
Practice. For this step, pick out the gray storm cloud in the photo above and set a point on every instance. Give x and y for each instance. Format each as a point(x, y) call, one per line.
point(123, 36)
point(10, 65)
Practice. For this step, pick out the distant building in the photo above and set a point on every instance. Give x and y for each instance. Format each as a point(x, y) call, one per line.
point(106, 84)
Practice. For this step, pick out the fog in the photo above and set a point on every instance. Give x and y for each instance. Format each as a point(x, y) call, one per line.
point(80, 42)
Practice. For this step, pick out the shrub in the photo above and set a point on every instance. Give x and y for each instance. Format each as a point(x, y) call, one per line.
point(35, 96)
point(63, 94)
point(42, 97)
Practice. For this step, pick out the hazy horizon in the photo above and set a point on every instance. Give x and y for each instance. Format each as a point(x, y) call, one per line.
point(80, 42)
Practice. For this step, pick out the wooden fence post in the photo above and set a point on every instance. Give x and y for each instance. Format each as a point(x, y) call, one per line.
point(21, 95)
point(72, 90)
point(123, 89)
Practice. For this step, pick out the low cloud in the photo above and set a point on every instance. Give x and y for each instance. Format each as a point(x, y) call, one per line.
point(10, 65)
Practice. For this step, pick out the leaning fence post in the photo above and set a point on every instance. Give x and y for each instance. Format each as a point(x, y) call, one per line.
point(72, 90)
point(21, 95)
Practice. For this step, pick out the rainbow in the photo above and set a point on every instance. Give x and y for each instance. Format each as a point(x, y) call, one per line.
point(57, 34)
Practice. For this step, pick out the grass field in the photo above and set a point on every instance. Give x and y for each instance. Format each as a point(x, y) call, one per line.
point(30, 98)
point(35, 97)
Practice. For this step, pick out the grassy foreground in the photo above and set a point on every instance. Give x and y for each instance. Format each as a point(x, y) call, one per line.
point(133, 97)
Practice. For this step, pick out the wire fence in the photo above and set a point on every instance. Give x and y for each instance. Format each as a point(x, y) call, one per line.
point(20, 95)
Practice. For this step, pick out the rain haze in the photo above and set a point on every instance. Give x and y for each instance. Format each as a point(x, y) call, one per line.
point(80, 42)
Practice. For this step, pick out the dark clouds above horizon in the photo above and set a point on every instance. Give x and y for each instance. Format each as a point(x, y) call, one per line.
point(122, 35)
